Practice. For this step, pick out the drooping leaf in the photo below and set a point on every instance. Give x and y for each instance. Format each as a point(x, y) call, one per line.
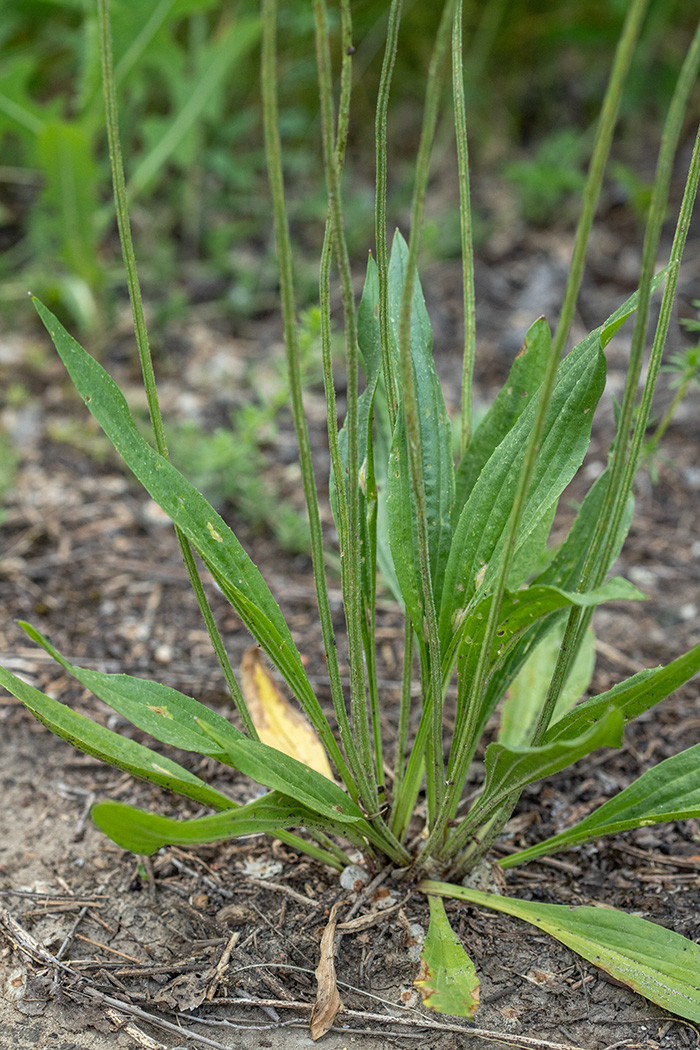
point(520, 610)
point(278, 723)
point(524, 379)
point(165, 713)
point(669, 791)
point(143, 832)
point(233, 570)
point(447, 980)
point(656, 962)
point(631, 697)
point(527, 617)
point(110, 747)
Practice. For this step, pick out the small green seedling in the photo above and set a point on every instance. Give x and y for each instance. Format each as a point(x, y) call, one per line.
point(463, 546)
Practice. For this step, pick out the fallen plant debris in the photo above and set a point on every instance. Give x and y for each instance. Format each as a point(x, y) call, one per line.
point(119, 1009)
point(328, 1002)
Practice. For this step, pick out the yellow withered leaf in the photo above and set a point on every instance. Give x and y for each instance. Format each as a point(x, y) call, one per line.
point(278, 723)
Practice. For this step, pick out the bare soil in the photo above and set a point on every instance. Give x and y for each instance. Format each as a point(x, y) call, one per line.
point(217, 947)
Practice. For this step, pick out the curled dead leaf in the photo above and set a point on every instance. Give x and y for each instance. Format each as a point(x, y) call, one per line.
point(328, 1001)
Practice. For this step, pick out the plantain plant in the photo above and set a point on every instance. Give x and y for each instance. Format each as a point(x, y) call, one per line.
point(462, 545)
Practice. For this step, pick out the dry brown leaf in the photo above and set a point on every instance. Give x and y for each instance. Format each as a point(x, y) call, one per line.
point(328, 1001)
point(278, 723)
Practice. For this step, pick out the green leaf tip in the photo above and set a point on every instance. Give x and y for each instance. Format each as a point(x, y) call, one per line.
point(447, 980)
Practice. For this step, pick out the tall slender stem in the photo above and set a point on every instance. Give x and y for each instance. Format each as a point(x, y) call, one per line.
point(273, 153)
point(435, 772)
point(465, 224)
point(351, 549)
point(625, 460)
point(392, 35)
point(149, 380)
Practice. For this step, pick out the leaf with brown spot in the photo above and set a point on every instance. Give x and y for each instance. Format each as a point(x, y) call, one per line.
point(447, 980)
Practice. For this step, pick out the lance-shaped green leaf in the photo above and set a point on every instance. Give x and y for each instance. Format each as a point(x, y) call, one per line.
point(274, 769)
point(143, 832)
point(565, 568)
point(472, 560)
point(669, 791)
point(527, 617)
point(510, 769)
point(165, 713)
point(447, 981)
point(239, 579)
point(437, 464)
point(523, 381)
point(110, 747)
point(478, 537)
point(656, 962)
point(631, 697)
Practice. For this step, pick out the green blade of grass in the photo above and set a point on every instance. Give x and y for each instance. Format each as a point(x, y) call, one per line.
point(669, 791)
point(656, 962)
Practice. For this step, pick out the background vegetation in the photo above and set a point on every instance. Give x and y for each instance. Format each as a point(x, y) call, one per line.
point(187, 75)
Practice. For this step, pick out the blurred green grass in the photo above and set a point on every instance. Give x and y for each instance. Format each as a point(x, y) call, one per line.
point(192, 140)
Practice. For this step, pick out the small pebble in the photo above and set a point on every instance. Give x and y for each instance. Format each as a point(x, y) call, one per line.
point(353, 878)
point(164, 653)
